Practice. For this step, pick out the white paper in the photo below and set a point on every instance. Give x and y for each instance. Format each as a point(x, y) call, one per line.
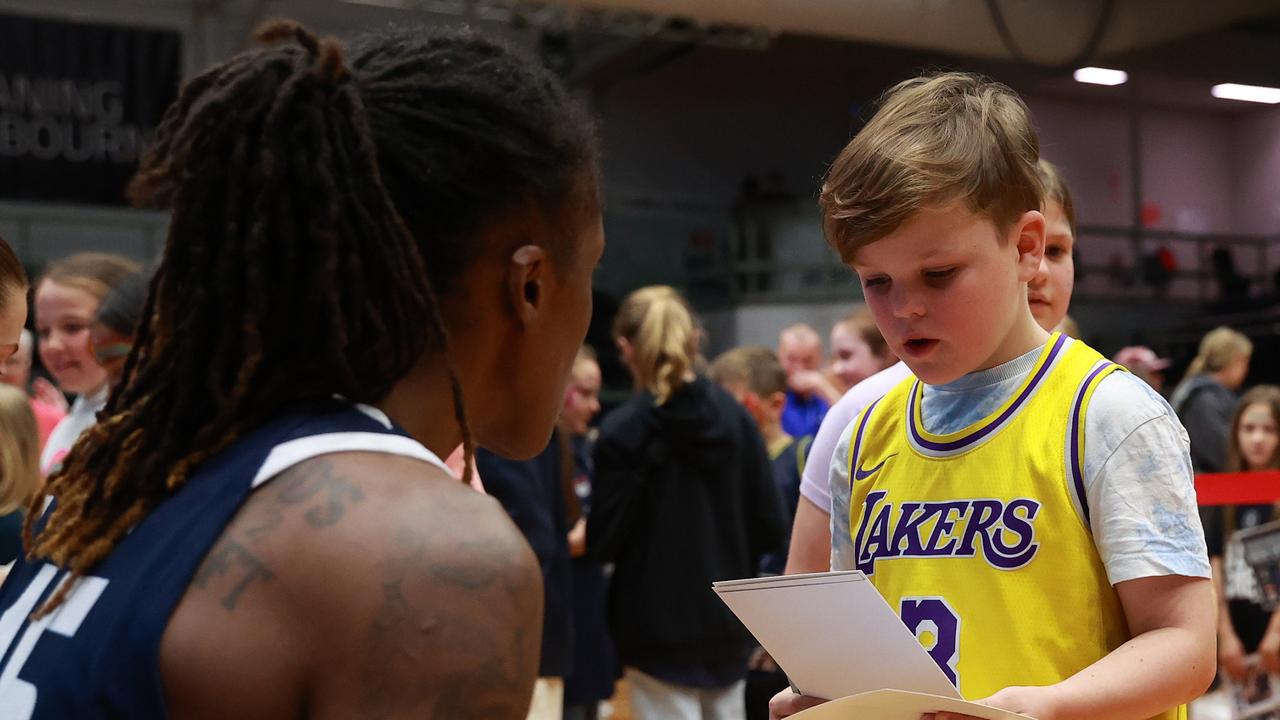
point(899, 705)
point(834, 635)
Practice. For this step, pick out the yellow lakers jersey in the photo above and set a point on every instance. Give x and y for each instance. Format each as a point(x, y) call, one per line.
point(980, 539)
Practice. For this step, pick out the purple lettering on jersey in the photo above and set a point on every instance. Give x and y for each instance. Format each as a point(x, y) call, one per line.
point(944, 527)
point(1007, 531)
point(908, 529)
point(869, 548)
point(984, 514)
point(1009, 557)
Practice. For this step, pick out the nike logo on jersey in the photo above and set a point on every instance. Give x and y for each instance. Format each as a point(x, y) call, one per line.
point(859, 474)
point(1003, 532)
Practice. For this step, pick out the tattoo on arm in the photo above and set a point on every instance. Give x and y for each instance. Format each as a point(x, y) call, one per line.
point(319, 478)
point(485, 657)
point(230, 558)
point(316, 486)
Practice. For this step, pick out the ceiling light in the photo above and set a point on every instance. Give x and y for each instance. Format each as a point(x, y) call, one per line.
point(1248, 93)
point(1101, 76)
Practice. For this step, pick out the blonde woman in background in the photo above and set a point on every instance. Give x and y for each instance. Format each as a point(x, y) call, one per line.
point(683, 496)
point(1206, 397)
point(19, 469)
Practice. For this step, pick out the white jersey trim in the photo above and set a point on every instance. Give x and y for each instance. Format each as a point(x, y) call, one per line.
point(375, 413)
point(294, 452)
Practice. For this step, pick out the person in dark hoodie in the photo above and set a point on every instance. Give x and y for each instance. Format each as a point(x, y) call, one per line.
point(683, 497)
point(1206, 397)
point(533, 492)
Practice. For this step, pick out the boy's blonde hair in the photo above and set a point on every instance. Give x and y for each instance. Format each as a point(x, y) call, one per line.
point(664, 338)
point(1055, 189)
point(19, 450)
point(935, 140)
point(756, 369)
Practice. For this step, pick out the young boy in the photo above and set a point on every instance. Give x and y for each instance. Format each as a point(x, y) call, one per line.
point(1048, 296)
point(1026, 509)
point(755, 378)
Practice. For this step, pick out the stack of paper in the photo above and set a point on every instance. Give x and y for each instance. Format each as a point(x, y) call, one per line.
point(898, 705)
point(834, 636)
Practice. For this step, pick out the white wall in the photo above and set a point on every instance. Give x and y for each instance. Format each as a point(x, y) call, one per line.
point(1187, 170)
point(760, 324)
point(1091, 145)
point(1255, 153)
point(1192, 164)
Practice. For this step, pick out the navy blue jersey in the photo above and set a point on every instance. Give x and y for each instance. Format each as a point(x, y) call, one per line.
point(97, 655)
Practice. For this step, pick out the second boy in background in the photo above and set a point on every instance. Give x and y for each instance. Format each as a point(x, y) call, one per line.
point(755, 378)
point(1026, 509)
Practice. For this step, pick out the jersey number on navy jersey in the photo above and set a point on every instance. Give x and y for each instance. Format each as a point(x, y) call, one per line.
point(17, 696)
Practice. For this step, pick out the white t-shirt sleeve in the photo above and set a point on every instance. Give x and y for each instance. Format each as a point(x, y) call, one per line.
point(1139, 484)
point(842, 553)
point(814, 485)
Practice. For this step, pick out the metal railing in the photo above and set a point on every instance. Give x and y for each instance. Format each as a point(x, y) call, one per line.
point(760, 264)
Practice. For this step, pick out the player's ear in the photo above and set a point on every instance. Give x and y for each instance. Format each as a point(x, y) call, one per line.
point(525, 277)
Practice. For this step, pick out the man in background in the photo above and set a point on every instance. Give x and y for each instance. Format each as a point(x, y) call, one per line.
point(809, 393)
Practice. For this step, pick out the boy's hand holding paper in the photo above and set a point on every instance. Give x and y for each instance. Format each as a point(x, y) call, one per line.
point(867, 653)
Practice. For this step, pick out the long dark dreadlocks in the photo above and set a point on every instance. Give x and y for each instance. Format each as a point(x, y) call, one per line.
point(317, 210)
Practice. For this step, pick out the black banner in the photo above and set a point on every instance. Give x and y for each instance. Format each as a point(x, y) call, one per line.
point(77, 104)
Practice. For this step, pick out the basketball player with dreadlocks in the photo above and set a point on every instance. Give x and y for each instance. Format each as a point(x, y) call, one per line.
point(375, 252)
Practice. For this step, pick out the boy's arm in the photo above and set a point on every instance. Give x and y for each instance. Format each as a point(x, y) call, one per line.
point(842, 550)
point(810, 550)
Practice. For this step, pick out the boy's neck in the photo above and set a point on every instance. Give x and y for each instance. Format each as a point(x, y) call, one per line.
point(1026, 335)
point(774, 436)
